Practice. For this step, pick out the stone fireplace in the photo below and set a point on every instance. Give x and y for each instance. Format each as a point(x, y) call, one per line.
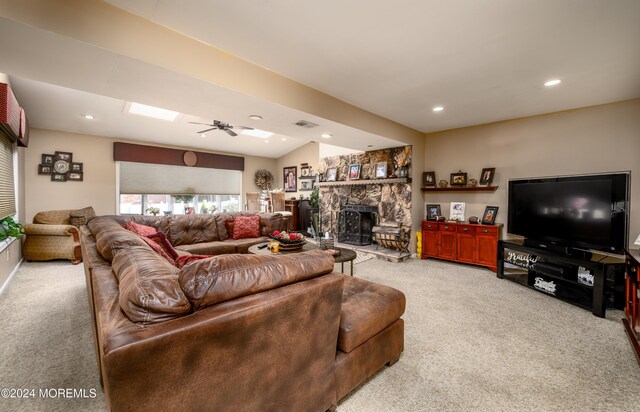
point(384, 199)
point(355, 223)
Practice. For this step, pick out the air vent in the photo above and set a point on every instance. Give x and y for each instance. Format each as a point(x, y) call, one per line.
point(307, 124)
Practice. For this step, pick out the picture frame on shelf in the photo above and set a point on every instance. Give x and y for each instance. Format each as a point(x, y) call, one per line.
point(305, 171)
point(44, 169)
point(489, 215)
point(47, 159)
point(331, 174)
point(76, 167)
point(458, 179)
point(456, 212)
point(76, 176)
point(433, 211)
point(354, 171)
point(58, 177)
point(290, 178)
point(486, 177)
point(428, 179)
point(306, 185)
point(381, 170)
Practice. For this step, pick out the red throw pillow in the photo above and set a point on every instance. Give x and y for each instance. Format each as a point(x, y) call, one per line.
point(183, 261)
point(166, 246)
point(228, 224)
point(141, 230)
point(246, 227)
point(159, 250)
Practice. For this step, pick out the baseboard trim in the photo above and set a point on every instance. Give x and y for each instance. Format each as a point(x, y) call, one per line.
point(15, 270)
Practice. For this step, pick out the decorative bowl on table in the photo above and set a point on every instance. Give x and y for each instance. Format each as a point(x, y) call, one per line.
point(288, 241)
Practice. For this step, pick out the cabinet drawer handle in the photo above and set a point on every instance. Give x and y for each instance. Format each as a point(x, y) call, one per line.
point(446, 227)
point(466, 229)
point(485, 230)
point(429, 226)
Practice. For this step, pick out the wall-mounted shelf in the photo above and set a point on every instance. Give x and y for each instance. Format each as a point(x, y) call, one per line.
point(306, 177)
point(364, 182)
point(461, 189)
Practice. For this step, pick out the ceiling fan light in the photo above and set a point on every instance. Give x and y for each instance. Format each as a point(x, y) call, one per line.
point(255, 117)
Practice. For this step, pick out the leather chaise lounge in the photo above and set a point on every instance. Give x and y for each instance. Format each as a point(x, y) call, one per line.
point(233, 332)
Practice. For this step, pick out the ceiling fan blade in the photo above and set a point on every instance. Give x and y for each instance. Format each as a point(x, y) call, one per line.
point(208, 130)
point(243, 127)
point(206, 124)
point(230, 132)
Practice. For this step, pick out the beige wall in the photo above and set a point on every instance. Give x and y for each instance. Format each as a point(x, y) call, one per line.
point(99, 186)
point(597, 139)
point(309, 153)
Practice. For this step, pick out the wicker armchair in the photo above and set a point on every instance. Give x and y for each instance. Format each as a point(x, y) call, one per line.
point(52, 236)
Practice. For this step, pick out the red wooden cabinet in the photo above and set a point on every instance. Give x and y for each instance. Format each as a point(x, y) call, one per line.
point(461, 242)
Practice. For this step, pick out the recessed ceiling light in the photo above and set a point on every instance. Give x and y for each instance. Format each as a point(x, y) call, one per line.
point(326, 135)
point(203, 135)
point(438, 109)
point(88, 117)
point(255, 117)
point(150, 111)
point(257, 133)
point(553, 82)
point(266, 141)
point(284, 139)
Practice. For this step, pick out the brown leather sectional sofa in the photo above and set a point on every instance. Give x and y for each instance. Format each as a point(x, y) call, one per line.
point(234, 332)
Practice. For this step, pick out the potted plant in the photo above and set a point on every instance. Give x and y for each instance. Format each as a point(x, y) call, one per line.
point(10, 228)
point(153, 210)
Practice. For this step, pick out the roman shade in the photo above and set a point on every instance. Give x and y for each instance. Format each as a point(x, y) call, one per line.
point(146, 178)
point(7, 189)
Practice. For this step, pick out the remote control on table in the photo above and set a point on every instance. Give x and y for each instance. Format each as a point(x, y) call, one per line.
point(263, 246)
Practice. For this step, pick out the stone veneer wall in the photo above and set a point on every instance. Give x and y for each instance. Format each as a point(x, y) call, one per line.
point(393, 199)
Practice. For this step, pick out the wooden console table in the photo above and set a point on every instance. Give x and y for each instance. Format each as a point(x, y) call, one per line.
point(632, 307)
point(461, 242)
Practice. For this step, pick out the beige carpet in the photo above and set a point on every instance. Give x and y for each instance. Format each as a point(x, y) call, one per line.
point(472, 342)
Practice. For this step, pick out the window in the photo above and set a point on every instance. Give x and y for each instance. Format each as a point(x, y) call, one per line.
point(178, 204)
point(170, 189)
point(7, 188)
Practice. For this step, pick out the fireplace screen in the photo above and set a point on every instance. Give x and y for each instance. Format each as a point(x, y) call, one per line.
point(355, 223)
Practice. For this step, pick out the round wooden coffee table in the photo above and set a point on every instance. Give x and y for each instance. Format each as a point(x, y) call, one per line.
point(346, 255)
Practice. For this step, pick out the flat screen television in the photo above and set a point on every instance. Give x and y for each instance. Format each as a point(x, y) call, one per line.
point(581, 212)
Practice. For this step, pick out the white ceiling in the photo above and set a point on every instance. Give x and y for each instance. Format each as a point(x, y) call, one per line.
point(483, 61)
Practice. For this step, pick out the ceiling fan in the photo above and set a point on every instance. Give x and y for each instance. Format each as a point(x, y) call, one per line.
point(225, 127)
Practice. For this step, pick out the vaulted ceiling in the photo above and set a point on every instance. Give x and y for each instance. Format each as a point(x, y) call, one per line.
point(482, 61)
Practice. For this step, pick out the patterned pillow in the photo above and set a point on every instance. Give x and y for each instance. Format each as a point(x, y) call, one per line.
point(159, 250)
point(81, 216)
point(140, 230)
point(184, 260)
point(246, 227)
point(168, 252)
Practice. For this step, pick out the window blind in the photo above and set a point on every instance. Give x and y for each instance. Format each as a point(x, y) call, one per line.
point(7, 188)
point(146, 178)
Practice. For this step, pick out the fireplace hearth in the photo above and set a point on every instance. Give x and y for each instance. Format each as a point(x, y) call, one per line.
point(355, 223)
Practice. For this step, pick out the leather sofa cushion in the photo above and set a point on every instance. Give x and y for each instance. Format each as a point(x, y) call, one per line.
point(149, 291)
point(208, 248)
point(111, 237)
point(226, 277)
point(243, 245)
point(190, 229)
point(53, 217)
point(367, 308)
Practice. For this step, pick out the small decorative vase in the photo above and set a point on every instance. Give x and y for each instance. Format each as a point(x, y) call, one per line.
point(472, 183)
point(443, 183)
point(473, 220)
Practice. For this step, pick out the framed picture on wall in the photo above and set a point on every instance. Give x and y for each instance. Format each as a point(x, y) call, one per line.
point(290, 178)
point(75, 167)
point(458, 179)
point(381, 170)
point(47, 159)
point(58, 177)
point(44, 169)
point(75, 176)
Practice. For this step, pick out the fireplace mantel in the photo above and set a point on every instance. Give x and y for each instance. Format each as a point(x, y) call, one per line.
point(363, 182)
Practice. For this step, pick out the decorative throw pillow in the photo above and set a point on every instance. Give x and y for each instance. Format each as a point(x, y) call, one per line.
point(228, 224)
point(141, 230)
point(159, 250)
point(184, 260)
point(246, 227)
point(167, 247)
point(81, 216)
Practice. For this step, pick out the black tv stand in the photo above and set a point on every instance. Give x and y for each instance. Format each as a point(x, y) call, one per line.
point(589, 280)
point(559, 249)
